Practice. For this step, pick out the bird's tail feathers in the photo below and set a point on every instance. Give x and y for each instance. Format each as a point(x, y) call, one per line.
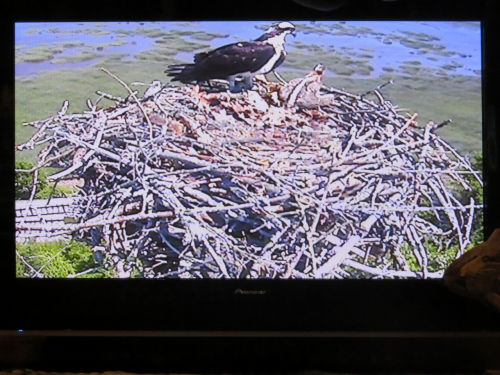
point(181, 72)
point(176, 67)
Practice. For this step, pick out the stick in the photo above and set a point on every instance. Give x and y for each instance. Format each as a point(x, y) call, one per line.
point(132, 94)
point(341, 253)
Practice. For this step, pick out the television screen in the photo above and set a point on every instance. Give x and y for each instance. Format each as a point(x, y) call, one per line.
point(246, 149)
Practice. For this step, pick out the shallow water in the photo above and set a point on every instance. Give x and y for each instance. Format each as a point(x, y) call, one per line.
point(385, 41)
point(435, 65)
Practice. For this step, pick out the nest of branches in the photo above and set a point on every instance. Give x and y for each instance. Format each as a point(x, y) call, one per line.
point(195, 184)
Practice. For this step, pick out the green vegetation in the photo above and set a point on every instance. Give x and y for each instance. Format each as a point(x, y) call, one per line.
point(421, 37)
point(49, 191)
point(412, 68)
point(439, 98)
point(410, 258)
point(51, 52)
point(44, 190)
point(57, 259)
point(339, 29)
point(24, 181)
point(33, 31)
point(40, 53)
point(175, 41)
point(438, 257)
point(337, 62)
point(452, 66)
point(423, 43)
point(151, 32)
point(168, 46)
point(89, 31)
point(200, 35)
point(477, 194)
point(41, 96)
point(114, 43)
point(73, 44)
point(79, 56)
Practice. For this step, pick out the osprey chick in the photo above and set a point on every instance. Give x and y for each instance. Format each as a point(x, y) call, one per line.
point(237, 61)
point(305, 92)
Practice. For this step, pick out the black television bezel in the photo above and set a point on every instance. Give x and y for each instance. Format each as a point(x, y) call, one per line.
point(297, 307)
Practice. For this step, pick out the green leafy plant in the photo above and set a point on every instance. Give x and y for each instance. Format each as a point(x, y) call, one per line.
point(24, 180)
point(410, 258)
point(478, 195)
point(44, 189)
point(439, 257)
point(58, 259)
point(49, 191)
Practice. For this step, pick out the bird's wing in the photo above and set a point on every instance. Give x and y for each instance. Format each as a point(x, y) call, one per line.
point(234, 58)
point(199, 57)
point(280, 61)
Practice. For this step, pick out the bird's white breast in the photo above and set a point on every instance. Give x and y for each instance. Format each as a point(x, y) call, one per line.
point(278, 43)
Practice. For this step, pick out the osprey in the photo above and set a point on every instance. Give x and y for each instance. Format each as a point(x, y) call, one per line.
point(237, 62)
point(304, 92)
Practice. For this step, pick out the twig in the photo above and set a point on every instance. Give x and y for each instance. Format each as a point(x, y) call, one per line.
point(134, 97)
point(209, 184)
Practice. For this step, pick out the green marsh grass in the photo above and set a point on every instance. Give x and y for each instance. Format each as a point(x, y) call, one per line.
point(57, 259)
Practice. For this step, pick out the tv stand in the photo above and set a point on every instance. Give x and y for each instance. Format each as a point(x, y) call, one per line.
point(285, 352)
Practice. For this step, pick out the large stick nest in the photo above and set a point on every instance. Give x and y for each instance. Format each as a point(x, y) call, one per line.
point(187, 183)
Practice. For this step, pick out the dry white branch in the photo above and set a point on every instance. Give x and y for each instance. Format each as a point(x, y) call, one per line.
point(278, 191)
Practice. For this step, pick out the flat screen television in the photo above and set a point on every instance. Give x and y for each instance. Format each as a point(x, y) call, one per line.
point(167, 181)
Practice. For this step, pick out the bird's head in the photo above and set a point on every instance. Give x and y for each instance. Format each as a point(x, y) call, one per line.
point(320, 68)
point(318, 71)
point(282, 28)
point(279, 30)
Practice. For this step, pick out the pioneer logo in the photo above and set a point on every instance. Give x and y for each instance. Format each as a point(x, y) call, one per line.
point(254, 292)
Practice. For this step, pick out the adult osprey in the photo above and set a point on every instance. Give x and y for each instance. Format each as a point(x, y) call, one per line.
point(237, 61)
